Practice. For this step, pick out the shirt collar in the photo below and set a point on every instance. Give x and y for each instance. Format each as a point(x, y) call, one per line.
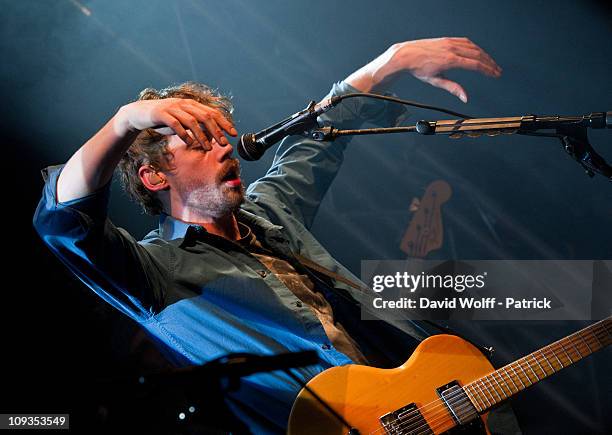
point(171, 228)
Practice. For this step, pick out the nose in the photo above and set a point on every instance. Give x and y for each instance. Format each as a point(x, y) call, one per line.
point(222, 152)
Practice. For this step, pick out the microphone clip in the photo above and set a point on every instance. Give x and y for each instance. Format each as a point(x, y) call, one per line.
point(252, 146)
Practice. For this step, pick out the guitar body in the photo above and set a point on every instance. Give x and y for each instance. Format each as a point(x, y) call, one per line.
point(362, 394)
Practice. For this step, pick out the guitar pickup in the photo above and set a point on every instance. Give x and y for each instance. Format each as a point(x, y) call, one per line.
point(457, 402)
point(405, 420)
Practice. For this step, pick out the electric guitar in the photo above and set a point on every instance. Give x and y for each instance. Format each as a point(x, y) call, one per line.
point(446, 386)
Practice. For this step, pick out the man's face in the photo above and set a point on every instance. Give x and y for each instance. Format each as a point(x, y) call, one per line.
point(205, 180)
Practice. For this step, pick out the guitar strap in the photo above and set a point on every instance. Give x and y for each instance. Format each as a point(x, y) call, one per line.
point(309, 264)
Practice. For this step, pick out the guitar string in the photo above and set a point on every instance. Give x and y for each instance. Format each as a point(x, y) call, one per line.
point(510, 377)
point(442, 419)
point(572, 339)
point(446, 414)
point(549, 347)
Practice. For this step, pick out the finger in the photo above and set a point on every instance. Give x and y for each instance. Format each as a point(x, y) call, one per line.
point(469, 45)
point(208, 119)
point(453, 87)
point(472, 52)
point(192, 124)
point(218, 116)
point(225, 124)
point(457, 61)
point(176, 127)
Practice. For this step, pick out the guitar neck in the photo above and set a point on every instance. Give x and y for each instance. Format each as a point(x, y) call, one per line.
point(496, 387)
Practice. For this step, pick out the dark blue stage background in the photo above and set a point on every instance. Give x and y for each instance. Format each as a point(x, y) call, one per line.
point(66, 67)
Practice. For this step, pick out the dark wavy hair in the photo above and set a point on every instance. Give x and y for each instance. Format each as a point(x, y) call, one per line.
point(150, 147)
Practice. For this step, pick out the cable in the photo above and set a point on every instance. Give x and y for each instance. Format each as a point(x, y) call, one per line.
point(404, 102)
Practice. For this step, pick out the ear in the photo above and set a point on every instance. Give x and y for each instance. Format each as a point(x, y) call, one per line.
point(152, 180)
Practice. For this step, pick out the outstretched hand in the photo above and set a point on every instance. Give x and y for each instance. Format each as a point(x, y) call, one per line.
point(427, 60)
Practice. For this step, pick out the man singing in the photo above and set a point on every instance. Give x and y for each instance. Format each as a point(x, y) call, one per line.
point(224, 272)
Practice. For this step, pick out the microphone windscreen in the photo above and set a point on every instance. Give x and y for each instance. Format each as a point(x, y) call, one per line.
point(248, 149)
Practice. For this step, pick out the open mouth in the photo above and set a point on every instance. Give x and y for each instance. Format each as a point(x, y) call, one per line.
point(232, 176)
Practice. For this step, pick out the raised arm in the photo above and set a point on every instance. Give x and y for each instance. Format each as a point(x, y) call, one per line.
point(427, 60)
point(71, 217)
point(303, 169)
point(92, 166)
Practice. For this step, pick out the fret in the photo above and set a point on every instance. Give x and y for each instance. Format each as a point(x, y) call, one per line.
point(511, 380)
point(499, 373)
point(492, 375)
point(532, 370)
point(476, 395)
point(585, 342)
point(485, 390)
point(538, 363)
point(557, 358)
point(483, 393)
point(473, 398)
point(605, 341)
point(605, 325)
point(577, 350)
point(519, 378)
point(551, 366)
point(606, 337)
point(598, 340)
point(565, 352)
point(484, 406)
point(526, 375)
point(495, 387)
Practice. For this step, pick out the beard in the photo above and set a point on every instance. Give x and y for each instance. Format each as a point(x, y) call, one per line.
point(217, 199)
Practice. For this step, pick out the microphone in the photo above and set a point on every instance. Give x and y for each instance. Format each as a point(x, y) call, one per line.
point(251, 146)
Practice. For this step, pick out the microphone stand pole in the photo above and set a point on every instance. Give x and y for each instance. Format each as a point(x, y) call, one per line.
point(571, 130)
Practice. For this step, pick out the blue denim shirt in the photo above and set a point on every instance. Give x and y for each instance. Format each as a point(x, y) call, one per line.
point(203, 296)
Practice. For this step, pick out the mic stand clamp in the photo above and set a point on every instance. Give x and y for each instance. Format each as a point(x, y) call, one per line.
point(324, 134)
point(576, 143)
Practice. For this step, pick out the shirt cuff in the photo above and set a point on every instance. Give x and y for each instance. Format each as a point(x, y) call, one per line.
point(94, 205)
point(354, 112)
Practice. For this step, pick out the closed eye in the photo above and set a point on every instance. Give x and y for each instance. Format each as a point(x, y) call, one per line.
point(198, 147)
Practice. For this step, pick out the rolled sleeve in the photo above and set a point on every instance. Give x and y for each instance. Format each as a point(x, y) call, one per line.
point(106, 258)
point(354, 112)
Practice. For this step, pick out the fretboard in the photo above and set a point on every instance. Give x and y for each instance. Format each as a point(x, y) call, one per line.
point(505, 382)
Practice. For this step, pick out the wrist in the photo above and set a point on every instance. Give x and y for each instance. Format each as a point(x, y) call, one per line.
point(387, 65)
point(121, 123)
point(376, 74)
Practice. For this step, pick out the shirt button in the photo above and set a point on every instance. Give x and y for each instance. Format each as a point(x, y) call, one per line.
point(325, 346)
point(262, 273)
point(298, 304)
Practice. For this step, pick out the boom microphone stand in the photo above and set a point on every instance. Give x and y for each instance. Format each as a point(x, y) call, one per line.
point(571, 130)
